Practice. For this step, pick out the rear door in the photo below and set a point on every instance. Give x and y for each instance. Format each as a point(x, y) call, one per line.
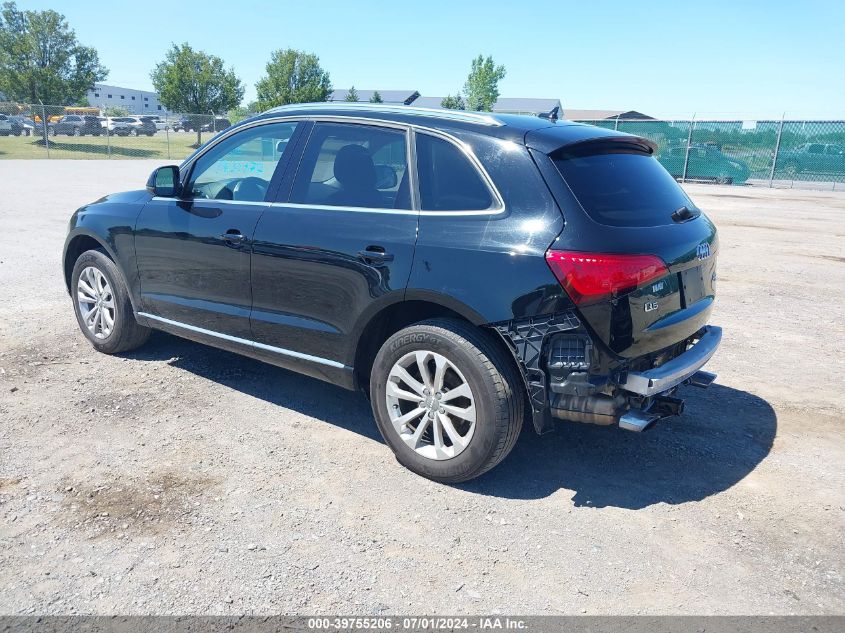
point(339, 246)
point(194, 252)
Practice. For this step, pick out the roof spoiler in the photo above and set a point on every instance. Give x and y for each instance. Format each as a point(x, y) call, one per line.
point(581, 137)
point(611, 142)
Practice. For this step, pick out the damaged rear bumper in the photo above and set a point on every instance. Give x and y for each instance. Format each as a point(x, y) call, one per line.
point(677, 370)
point(582, 388)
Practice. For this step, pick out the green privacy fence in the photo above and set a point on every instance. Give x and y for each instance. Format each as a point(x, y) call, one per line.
point(773, 152)
point(782, 153)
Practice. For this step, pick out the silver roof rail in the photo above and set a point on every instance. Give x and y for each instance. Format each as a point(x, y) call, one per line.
point(480, 118)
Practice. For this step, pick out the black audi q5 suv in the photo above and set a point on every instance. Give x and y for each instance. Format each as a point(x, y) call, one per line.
point(465, 270)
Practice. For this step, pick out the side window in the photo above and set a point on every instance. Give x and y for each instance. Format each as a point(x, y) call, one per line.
point(448, 179)
point(816, 149)
point(241, 166)
point(351, 165)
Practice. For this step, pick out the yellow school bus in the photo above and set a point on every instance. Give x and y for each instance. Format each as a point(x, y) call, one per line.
point(81, 110)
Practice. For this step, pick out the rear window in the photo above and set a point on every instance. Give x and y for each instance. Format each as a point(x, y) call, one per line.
point(622, 187)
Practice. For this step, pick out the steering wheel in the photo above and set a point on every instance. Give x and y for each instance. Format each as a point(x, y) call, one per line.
point(250, 189)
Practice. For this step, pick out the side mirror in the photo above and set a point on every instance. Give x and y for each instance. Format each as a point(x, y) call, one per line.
point(385, 177)
point(164, 182)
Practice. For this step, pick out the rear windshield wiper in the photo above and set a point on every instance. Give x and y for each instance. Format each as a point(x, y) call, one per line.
point(684, 214)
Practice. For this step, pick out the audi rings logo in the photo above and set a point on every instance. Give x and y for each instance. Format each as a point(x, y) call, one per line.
point(703, 251)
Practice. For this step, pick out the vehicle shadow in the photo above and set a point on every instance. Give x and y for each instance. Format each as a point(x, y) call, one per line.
point(312, 397)
point(98, 147)
point(723, 435)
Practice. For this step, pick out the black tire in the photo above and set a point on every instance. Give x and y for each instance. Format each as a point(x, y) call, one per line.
point(791, 170)
point(497, 389)
point(126, 334)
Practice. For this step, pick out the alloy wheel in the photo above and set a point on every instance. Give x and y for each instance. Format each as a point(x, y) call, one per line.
point(96, 302)
point(431, 405)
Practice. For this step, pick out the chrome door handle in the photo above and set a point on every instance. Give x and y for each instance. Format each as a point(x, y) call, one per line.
point(233, 237)
point(375, 254)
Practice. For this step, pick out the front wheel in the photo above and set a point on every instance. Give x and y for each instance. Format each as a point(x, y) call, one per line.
point(790, 170)
point(102, 306)
point(447, 399)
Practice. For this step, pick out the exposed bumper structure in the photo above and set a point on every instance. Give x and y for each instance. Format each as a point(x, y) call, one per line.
point(677, 370)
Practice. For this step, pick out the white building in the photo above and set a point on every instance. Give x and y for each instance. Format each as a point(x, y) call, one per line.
point(135, 101)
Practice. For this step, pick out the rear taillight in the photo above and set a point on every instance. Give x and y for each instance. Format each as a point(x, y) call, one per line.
point(590, 277)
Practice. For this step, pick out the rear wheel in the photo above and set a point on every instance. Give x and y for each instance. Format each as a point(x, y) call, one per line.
point(447, 400)
point(790, 170)
point(102, 306)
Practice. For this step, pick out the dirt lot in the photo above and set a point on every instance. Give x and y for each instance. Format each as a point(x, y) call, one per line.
point(181, 479)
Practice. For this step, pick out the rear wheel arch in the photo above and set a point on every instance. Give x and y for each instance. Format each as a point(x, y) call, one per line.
point(402, 314)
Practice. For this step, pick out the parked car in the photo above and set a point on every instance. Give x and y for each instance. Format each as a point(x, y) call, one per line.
point(186, 124)
point(819, 158)
point(5, 125)
point(218, 124)
point(189, 124)
point(116, 126)
point(421, 256)
point(21, 125)
point(77, 125)
point(160, 124)
point(140, 125)
point(706, 162)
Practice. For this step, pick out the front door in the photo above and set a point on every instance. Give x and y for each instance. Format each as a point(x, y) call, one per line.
point(339, 248)
point(194, 252)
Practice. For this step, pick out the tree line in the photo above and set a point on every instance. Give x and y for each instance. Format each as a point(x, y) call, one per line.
point(42, 60)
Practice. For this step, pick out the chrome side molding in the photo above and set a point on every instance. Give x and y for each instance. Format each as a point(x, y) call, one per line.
point(243, 341)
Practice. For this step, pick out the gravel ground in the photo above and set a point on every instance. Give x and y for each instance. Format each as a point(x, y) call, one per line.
point(181, 479)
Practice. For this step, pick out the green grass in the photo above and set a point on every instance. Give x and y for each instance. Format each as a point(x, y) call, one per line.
point(177, 147)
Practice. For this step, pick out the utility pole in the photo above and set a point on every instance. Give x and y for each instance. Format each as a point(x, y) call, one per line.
point(777, 151)
point(689, 143)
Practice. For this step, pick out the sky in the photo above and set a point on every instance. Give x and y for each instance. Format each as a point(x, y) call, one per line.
point(748, 59)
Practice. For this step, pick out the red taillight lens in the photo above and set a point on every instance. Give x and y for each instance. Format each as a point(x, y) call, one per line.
point(589, 277)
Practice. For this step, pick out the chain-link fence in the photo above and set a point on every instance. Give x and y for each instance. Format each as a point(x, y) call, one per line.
point(45, 131)
point(780, 153)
